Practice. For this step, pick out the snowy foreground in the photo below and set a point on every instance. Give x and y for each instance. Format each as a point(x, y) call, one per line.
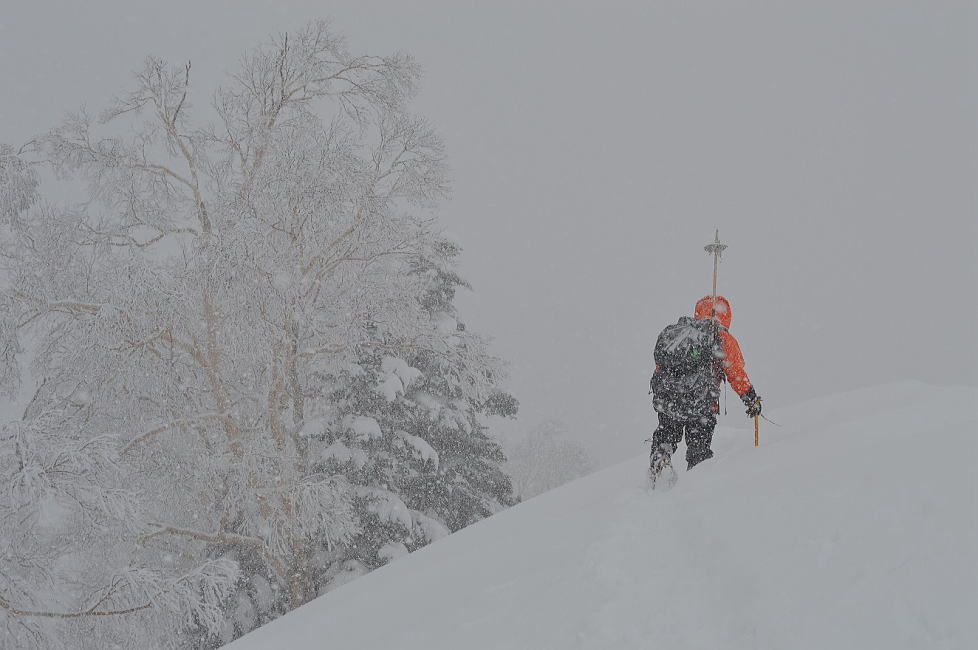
point(853, 526)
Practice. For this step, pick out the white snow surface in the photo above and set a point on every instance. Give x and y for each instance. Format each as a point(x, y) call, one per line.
point(855, 525)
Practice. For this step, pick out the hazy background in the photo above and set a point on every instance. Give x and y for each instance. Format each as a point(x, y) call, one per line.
point(596, 146)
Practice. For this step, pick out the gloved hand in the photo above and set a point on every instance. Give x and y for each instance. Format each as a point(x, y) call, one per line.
point(752, 401)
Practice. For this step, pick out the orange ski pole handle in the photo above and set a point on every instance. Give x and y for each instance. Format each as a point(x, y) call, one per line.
point(756, 418)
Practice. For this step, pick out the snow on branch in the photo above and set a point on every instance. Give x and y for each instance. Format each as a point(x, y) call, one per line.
point(171, 336)
point(18, 183)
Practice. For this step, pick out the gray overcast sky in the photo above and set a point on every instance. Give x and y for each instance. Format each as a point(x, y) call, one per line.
point(595, 147)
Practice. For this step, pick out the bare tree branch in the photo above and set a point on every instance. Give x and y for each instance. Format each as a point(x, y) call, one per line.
point(91, 612)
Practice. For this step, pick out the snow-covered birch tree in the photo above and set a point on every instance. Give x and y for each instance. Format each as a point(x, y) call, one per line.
point(71, 571)
point(212, 323)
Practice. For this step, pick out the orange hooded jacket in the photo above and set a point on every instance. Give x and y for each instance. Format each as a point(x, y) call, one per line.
point(733, 358)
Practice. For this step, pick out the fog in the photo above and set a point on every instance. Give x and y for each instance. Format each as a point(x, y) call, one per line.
point(595, 147)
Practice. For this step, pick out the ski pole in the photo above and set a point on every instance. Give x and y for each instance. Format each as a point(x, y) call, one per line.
point(770, 420)
point(756, 430)
point(715, 248)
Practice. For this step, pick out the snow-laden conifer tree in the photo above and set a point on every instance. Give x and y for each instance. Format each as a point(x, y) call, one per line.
point(234, 351)
point(411, 434)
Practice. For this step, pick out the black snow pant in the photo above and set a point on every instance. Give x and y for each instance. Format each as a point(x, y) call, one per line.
point(699, 435)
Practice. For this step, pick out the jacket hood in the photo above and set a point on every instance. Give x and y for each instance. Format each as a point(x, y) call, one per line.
point(722, 311)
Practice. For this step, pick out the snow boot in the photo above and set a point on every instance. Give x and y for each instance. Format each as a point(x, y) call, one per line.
point(661, 472)
point(694, 460)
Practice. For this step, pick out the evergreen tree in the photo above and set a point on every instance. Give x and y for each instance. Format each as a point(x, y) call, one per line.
point(410, 430)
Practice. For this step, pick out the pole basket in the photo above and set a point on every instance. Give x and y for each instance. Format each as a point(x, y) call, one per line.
point(715, 247)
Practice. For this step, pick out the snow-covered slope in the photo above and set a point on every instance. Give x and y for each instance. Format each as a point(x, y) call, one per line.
point(853, 526)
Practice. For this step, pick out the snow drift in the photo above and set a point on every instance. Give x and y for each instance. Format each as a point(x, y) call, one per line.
point(853, 526)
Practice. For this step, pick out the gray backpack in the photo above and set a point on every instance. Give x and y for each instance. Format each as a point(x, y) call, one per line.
point(687, 381)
